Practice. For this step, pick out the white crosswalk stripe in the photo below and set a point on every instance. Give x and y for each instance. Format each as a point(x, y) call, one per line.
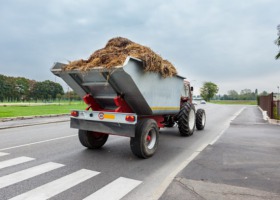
point(114, 190)
point(3, 154)
point(27, 173)
point(15, 161)
point(55, 187)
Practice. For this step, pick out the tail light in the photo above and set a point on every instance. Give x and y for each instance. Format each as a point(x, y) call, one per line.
point(74, 113)
point(130, 118)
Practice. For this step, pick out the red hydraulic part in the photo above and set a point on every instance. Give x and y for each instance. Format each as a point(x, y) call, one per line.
point(122, 107)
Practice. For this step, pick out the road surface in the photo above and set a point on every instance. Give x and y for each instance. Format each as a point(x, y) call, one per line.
point(48, 162)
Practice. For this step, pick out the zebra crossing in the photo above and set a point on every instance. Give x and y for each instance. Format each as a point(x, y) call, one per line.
point(115, 190)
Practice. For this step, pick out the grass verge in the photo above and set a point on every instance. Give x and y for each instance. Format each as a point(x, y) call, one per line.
point(38, 110)
point(235, 102)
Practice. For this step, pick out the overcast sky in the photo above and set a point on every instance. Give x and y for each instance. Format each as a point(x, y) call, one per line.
point(230, 43)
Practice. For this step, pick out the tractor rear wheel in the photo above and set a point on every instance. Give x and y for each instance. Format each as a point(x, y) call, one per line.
point(200, 119)
point(186, 119)
point(91, 139)
point(145, 142)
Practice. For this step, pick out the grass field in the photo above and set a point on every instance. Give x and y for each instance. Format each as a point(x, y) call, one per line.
point(37, 109)
point(18, 110)
point(235, 102)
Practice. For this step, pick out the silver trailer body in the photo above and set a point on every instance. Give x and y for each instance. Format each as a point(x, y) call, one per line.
point(147, 93)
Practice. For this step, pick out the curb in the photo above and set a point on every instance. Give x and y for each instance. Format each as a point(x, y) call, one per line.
point(32, 123)
point(266, 118)
point(31, 117)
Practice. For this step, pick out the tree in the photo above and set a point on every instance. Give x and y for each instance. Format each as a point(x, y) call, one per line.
point(46, 90)
point(277, 42)
point(232, 95)
point(264, 93)
point(247, 94)
point(208, 90)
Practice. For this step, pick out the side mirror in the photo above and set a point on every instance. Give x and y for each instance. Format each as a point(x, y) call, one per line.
point(191, 88)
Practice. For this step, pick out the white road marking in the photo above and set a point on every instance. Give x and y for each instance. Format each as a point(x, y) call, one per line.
point(115, 190)
point(55, 187)
point(222, 132)
point(163, 186)
point(15, 161)
point(3, 154)
point(184, 164)
point(39, 142)
point(27, 173)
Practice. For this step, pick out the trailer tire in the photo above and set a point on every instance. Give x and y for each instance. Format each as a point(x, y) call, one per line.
point(186, 119)
point(91, 139)
point(145, 142)
point(200, 119)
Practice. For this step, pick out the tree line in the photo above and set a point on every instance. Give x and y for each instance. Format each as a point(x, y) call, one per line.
point(209, 91)
point(15, 89)
point(245, 94)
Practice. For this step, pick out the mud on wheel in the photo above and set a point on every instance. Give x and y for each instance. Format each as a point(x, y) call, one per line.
point(145, 142)
point(186, 119)
point(91, 139)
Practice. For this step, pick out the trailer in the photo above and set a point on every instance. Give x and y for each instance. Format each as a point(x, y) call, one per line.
point(128, 101)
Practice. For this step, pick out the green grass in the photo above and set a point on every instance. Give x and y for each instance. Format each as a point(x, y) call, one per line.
point(235, 102)
point(16, 110)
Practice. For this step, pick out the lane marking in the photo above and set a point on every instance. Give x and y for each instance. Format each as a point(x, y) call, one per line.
point(27, 173)
point(3, 154)
point(15, 161)
point(39, 142)
point(163, 186)
point(230, 120)
point(115, 190)
point(160, 190)
point(55, 187)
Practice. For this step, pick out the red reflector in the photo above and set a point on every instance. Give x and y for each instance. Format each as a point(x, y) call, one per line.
point(130, 118)
point(74, 113)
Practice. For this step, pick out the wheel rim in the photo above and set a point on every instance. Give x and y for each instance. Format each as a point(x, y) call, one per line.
point(151, 139)
point(191, 119)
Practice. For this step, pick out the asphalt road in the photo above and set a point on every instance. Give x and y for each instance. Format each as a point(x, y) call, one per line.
point(48, 159)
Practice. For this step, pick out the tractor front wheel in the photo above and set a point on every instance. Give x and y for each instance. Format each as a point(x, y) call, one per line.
point(200, 119)
point(186, 119)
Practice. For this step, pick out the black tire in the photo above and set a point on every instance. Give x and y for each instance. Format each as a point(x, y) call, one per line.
point(200, 119)
point(186, 119)
point(145, 142)
point(91, 139)
point(170, 125)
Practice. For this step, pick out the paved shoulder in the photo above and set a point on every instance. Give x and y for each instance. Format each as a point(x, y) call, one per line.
point(242, 164)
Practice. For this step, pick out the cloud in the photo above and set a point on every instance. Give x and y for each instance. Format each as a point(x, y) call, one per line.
point(223, 42)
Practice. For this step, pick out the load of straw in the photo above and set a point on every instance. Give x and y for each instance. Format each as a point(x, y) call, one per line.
point(116, 51)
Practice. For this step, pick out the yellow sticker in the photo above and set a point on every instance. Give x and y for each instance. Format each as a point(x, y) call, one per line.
point(165, 108)
point(109, 116)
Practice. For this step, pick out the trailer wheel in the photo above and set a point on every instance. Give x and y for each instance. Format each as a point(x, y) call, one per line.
point(145, 142)
point(186, 119)
point(200, 119)
point(91, 139)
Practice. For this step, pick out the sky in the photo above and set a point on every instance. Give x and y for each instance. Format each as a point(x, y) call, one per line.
point(229, 43)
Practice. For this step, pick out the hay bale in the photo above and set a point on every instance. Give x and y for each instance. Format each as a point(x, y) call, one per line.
point(116, 51)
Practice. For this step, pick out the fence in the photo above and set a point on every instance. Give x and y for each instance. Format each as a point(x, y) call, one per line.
point(271, 104)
